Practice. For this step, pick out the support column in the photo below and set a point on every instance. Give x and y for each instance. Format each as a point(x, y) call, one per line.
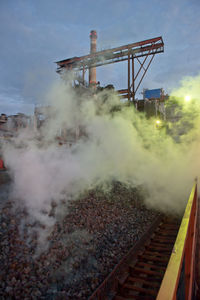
point(133, 80)
point(83, 75)
point(129, 88)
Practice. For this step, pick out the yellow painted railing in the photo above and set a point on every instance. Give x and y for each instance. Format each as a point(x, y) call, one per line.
point(178, 281)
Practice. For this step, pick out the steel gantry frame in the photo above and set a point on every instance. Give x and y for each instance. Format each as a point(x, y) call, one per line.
point(141, 52)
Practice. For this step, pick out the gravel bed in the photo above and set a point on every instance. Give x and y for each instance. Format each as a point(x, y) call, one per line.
point(88, 239)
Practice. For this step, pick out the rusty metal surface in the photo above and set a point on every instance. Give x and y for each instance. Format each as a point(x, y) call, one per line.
point(157, 42)
point(146, 273)
point(97, 60)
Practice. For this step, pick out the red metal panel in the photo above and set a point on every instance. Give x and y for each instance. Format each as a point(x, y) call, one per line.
point(1, 164)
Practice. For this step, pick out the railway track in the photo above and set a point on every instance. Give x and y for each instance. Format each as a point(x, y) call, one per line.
point(139, 275)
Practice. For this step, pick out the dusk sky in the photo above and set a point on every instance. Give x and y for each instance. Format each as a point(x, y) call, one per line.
point(36, 33)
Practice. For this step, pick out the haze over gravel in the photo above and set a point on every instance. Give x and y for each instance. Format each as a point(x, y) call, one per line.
point(88, 239)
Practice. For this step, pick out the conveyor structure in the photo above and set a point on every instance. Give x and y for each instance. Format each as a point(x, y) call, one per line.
point(140, 52)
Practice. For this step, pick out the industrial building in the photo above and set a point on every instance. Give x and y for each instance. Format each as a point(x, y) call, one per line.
point(11, 124)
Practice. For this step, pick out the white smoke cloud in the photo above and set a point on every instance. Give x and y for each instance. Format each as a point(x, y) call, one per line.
point(121, 145)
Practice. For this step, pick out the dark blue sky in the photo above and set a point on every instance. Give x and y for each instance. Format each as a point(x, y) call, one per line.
point(36, 33)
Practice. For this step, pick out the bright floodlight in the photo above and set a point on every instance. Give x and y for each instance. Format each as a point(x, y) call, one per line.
point(187, 98)
point(158, 122)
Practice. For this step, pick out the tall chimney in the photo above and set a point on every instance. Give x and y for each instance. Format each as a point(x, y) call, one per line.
point(93, 49)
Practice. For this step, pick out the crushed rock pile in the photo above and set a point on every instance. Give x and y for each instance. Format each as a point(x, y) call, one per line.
point(83, 247)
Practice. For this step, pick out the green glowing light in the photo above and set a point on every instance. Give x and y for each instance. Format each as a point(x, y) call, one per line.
point(187, 98)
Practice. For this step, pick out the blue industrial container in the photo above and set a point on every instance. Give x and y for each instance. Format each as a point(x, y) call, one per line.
point(153, 94)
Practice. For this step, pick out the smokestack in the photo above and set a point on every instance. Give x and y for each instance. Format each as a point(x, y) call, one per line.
point(93, 49)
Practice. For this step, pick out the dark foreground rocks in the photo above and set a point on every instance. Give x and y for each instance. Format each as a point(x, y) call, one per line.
point(70, 259)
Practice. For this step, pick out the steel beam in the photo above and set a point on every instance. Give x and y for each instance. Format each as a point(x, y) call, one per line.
point(133, 80)
point(106, 55)
point(144, 73)
point(128, 52)
point(129, 77)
